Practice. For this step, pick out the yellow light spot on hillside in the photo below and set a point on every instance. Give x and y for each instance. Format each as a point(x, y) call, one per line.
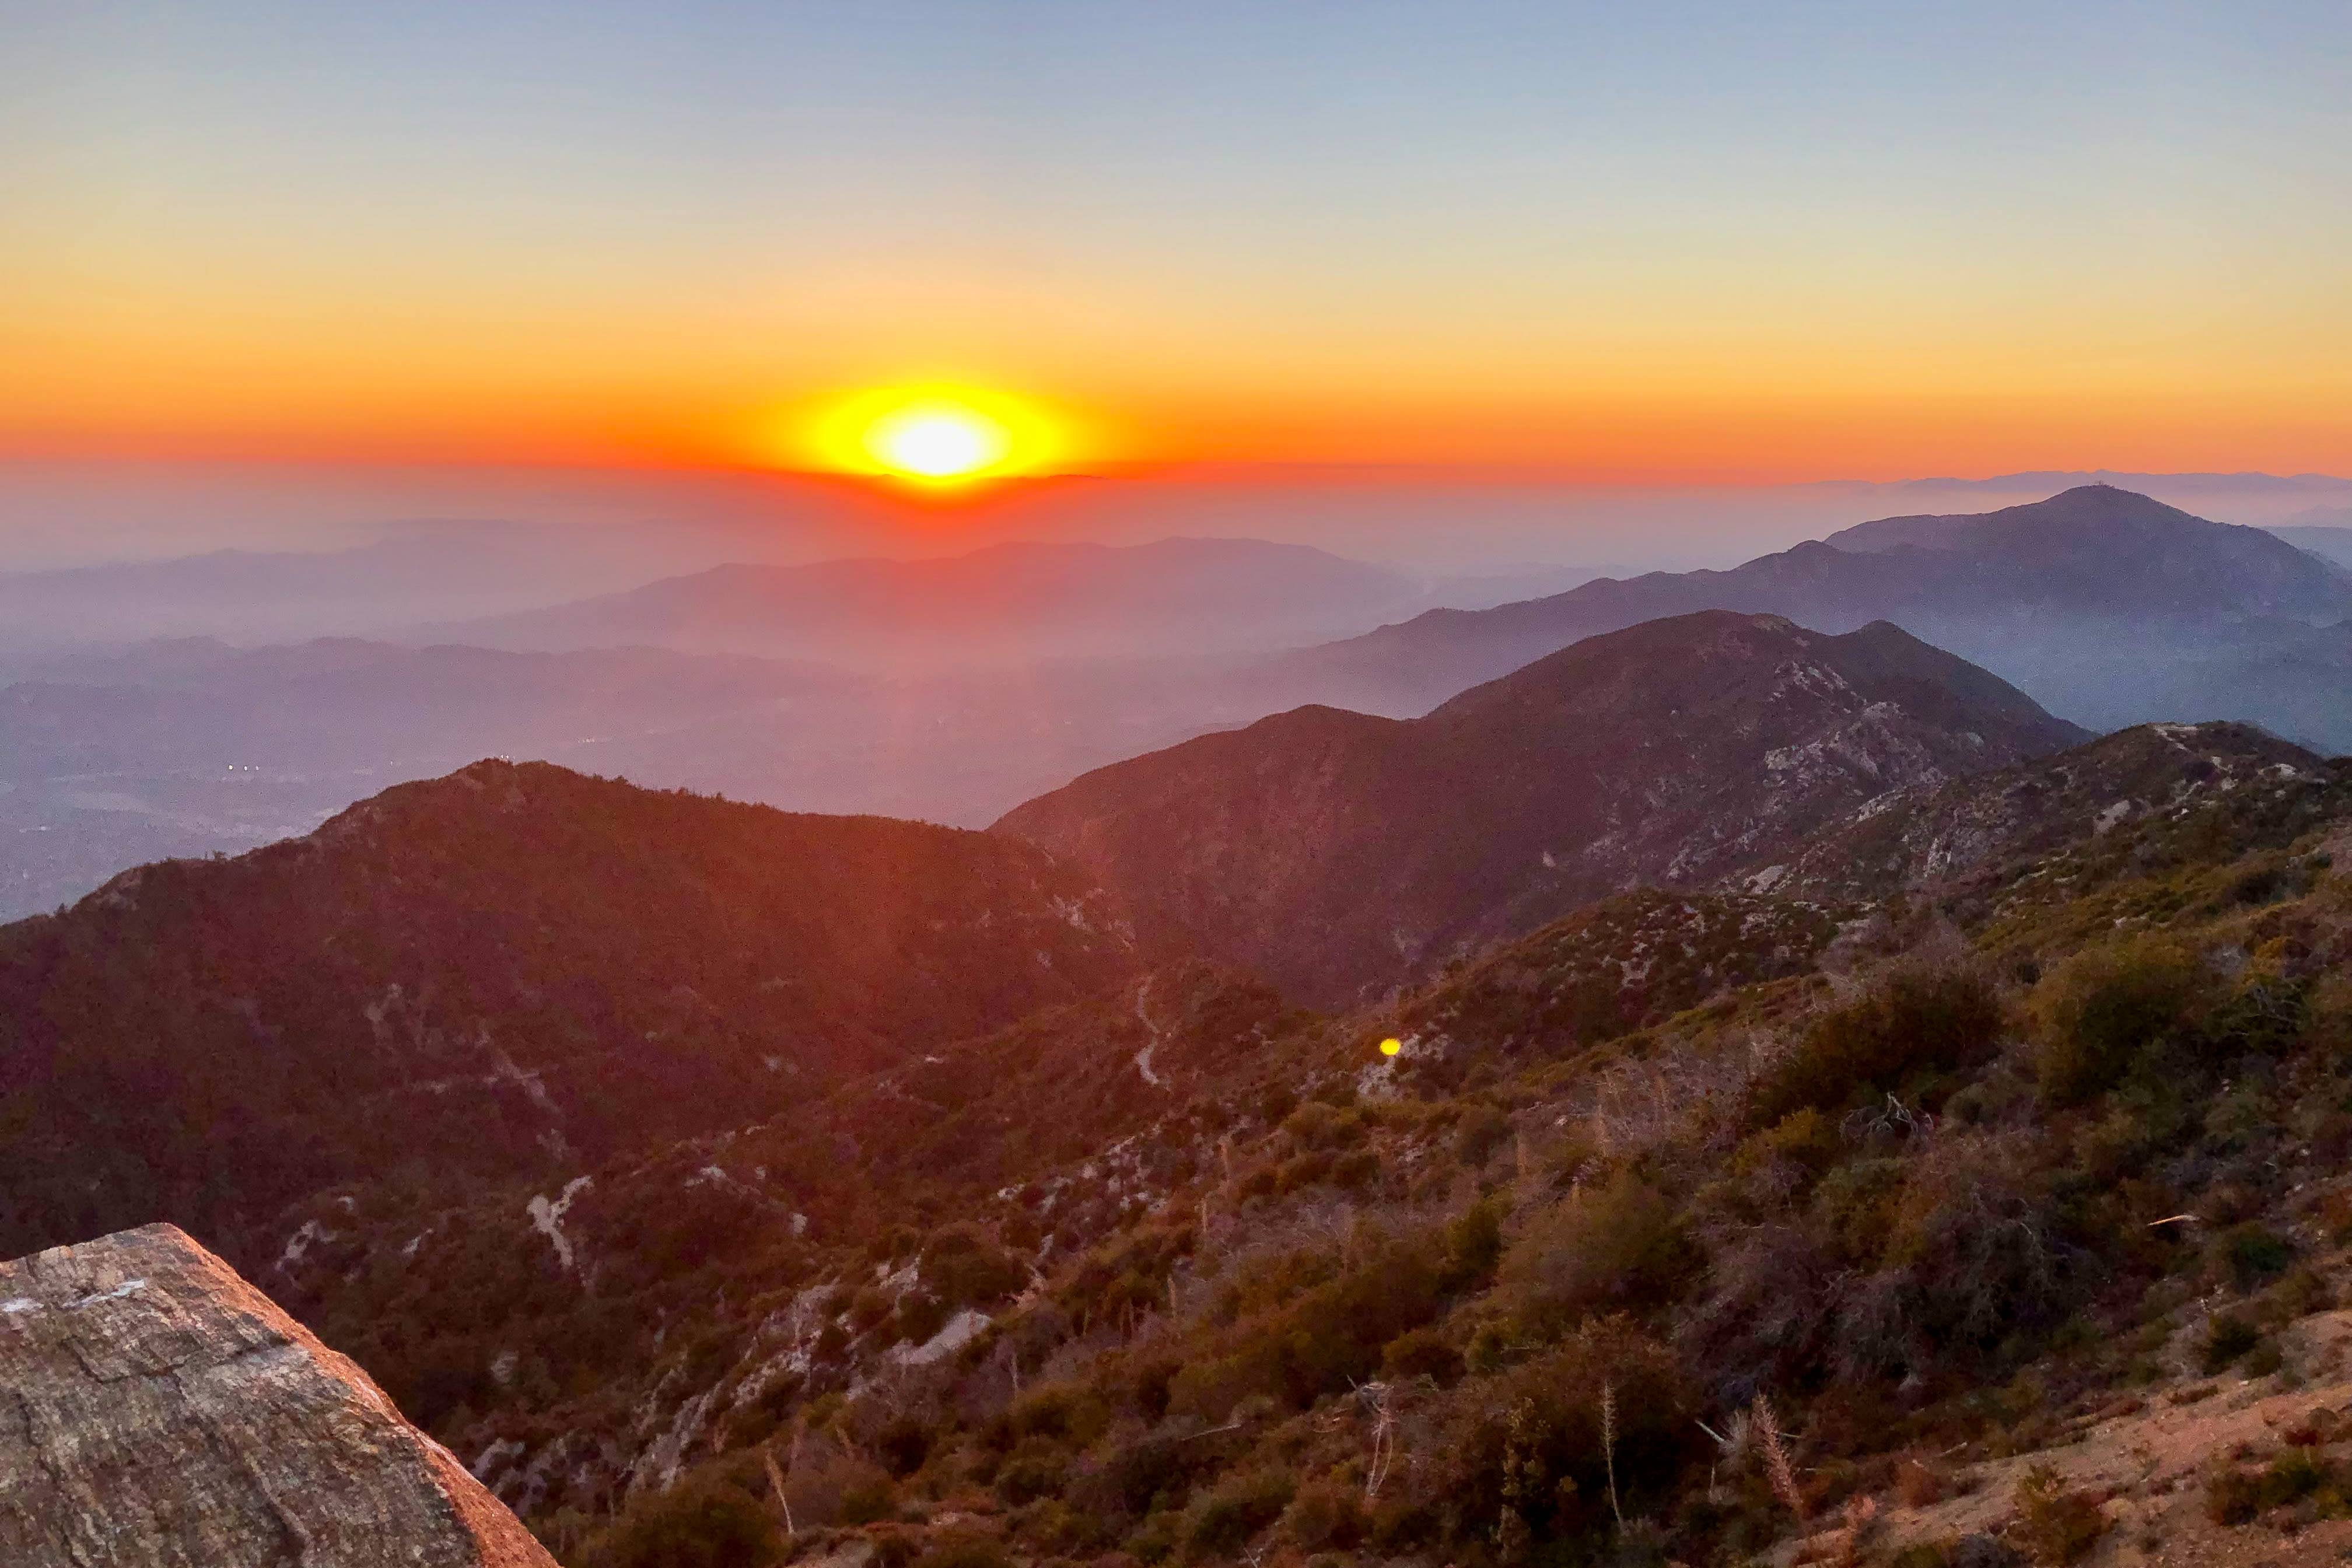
point(1391, 1047)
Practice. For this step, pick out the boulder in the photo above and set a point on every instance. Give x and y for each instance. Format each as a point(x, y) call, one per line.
point(157, 1410)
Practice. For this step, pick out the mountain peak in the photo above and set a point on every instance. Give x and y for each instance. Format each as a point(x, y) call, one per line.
point(548, 966)
point(2097, 509)
point(1333, 857)
point(2109, 605)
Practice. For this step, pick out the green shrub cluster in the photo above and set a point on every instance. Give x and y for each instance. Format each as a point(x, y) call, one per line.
point(1919, 1023)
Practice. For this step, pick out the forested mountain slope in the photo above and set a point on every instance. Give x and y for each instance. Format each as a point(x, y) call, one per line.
point(504, 970)
point(1186, 1274)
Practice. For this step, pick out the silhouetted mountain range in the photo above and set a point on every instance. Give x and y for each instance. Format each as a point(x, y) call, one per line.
point(1331, 851)
point(1004, 605)
point(418, 571)
point(2331, 539)
point(2108, 607)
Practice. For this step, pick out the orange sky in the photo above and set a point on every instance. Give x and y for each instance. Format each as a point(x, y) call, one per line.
point(1671, 247)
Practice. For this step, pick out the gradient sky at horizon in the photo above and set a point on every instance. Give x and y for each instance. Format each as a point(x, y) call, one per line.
point(1803, 240)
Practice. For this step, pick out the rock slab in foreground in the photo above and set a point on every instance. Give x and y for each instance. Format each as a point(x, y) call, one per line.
point(155, 1410)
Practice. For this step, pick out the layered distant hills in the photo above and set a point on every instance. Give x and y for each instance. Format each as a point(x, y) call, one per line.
point(2107, 606)
point(188, 745)
point(969, 684)
point(1008, 603)
point(2332, 539)
point(415, 571)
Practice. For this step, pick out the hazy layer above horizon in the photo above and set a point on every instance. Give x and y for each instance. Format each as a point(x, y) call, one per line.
point(602, 529)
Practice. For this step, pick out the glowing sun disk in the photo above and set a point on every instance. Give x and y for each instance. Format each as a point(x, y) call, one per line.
point(937, 440)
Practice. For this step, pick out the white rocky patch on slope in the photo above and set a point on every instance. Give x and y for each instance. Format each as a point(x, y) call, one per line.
point(547, 1217)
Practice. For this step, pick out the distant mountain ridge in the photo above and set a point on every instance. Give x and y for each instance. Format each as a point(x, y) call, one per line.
point(2328, 541)
point(1004, 603)
point(2095, 547)
point(2108, 607)
point(1332, 850)
point(416, 571)
point(2248, 481)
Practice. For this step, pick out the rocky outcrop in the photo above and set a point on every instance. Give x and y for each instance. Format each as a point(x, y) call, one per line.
point(2047, 821)
point(157, 1410)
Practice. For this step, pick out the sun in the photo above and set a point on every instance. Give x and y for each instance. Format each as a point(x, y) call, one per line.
point(937, 440)
point(942, 436)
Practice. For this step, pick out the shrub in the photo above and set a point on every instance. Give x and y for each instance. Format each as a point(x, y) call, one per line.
point(701, 1523)
point(1473, 1245)
point(919, 1315)
point(1156, 1540)
point(902, 1445)
point(1804, 1142)
point(2102, 1008)
point(1422, 1353)
point(1150, 1385)
point(1070, 1412)
point(2227, 1338)
point(1922, 1018)
point(1325, 1516)
point(2234, 1496)
point(965, 1550)
point(2291, 1476)
point(964, 1267)
point(2056, 1524)
point(2230, 1497)
point(1034, 1470)
point(1922, 1554)
point(1302, 1172)
point(1983, 1551)
point(2255, 1254)
point(1526, 1453)
point(837, 1489)
point(1221, 1522)
point(2264, 1016)
point(868, 1498)
point(1624, 1245)
point(895, 1546)
point(1978, 1253)
point(1146, 1474)
point(1484, 1129)
point(1329, 1336)
point(1918, 1484)
point(1316, 1125)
